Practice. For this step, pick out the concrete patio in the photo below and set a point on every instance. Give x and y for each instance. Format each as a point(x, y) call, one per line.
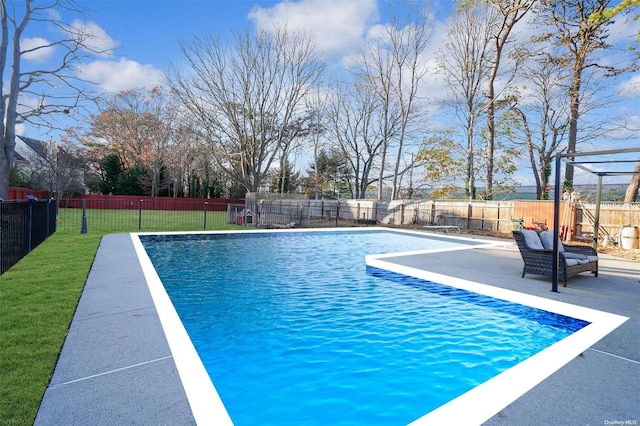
point(116, 366)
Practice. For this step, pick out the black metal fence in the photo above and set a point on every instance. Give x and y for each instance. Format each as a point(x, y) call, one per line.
point(133, 215)
point(23, 226)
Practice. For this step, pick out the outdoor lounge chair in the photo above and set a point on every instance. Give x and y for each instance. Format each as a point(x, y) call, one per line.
point(536, 250)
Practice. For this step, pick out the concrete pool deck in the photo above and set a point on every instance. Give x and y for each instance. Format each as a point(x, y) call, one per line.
point(116, 366)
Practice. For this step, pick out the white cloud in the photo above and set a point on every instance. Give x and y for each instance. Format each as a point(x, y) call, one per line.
point(114, 76)
point(623, 30)
point(630, 87)
point(93, 37)
point(42, 52)
point(336, 24)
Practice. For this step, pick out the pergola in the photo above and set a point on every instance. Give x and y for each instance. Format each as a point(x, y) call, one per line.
point(577, 159)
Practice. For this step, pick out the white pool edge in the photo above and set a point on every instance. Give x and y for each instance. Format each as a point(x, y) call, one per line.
point(473, 407)
point(486, 400)
point(204, 400)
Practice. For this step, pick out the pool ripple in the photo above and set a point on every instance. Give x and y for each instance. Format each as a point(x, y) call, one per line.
point(312, 336)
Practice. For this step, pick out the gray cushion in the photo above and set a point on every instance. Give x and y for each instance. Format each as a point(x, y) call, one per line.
point(547, 241)
point(583, 258)
point(532, 239)
point(572, 262)
point(568, 255)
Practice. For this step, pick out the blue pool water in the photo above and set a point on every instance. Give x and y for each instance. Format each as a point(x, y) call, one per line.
point(293, 328)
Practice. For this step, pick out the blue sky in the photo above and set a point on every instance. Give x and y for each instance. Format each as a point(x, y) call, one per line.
point(145, 37)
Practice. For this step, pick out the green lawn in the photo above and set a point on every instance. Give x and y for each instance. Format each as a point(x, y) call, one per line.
point(121, 220)
point(39, 295)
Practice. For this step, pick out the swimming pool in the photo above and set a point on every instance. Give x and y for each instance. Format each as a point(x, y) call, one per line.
point(269, 266)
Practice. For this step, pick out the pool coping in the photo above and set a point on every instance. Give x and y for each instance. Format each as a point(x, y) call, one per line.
point(487, 399)
point(116, 367)
point(473, 407)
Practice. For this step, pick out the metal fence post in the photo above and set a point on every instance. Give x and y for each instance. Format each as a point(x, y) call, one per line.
point(48, 232)
point(29, 223)
point(205, 215)
point(140, 215)
point(83, 225)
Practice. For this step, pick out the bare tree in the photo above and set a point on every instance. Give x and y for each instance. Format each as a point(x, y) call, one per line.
point(318, 105)
point(245, 97)
point(464, 62)
point(56, 169)
point(541, 114)
point(394, 66)
point(511, 12)
point(356, 125)
point(377, 69)
point(582, 38)
point(36, 95)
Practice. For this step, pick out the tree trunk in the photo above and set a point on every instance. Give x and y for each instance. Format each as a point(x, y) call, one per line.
point(574, 111)
point(471, 176)
point(631, 195)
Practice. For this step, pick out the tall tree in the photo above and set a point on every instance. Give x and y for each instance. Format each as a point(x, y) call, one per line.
point(356, 125)
point(582, 39)
point(395, 67)
point(245, 95)
point(329, 173)
point(511, 12)
point(464, 62)
point(631, 194)
point(318, 105)
point(377, 69)
point(32, 92)
point(137, 125)
point(408, 42)
point(541, 114)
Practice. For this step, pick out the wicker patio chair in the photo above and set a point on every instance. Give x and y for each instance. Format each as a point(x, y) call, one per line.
point(538, 259)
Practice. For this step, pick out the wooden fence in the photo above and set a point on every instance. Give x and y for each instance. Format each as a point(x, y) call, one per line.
point(576, 220)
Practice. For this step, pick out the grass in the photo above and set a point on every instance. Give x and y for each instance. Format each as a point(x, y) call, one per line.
point(122, 220)
point(38, 298)
point(40, 293)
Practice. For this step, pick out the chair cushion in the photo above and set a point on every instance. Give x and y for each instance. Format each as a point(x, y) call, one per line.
point(569, 255)
point(532, 239)
point(547, 241)
point(583, 258)
point(572, 262)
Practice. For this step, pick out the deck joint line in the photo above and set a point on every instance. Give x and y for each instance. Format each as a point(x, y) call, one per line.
point(110, 372)
point(616, 356)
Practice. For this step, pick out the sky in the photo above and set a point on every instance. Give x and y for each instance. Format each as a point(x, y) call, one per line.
point(145, 37)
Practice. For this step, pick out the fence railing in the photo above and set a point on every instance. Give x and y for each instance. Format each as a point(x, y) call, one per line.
point(130, 214)
point(23, 226)
point(309, 213)
point(576, 220)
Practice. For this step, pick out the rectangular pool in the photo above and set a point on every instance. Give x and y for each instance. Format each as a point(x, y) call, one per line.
point(323, 319)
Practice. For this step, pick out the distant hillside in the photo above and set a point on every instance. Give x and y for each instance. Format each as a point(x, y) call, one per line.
point(610, 192)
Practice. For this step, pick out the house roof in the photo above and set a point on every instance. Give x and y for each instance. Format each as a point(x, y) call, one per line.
point(35, 145)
